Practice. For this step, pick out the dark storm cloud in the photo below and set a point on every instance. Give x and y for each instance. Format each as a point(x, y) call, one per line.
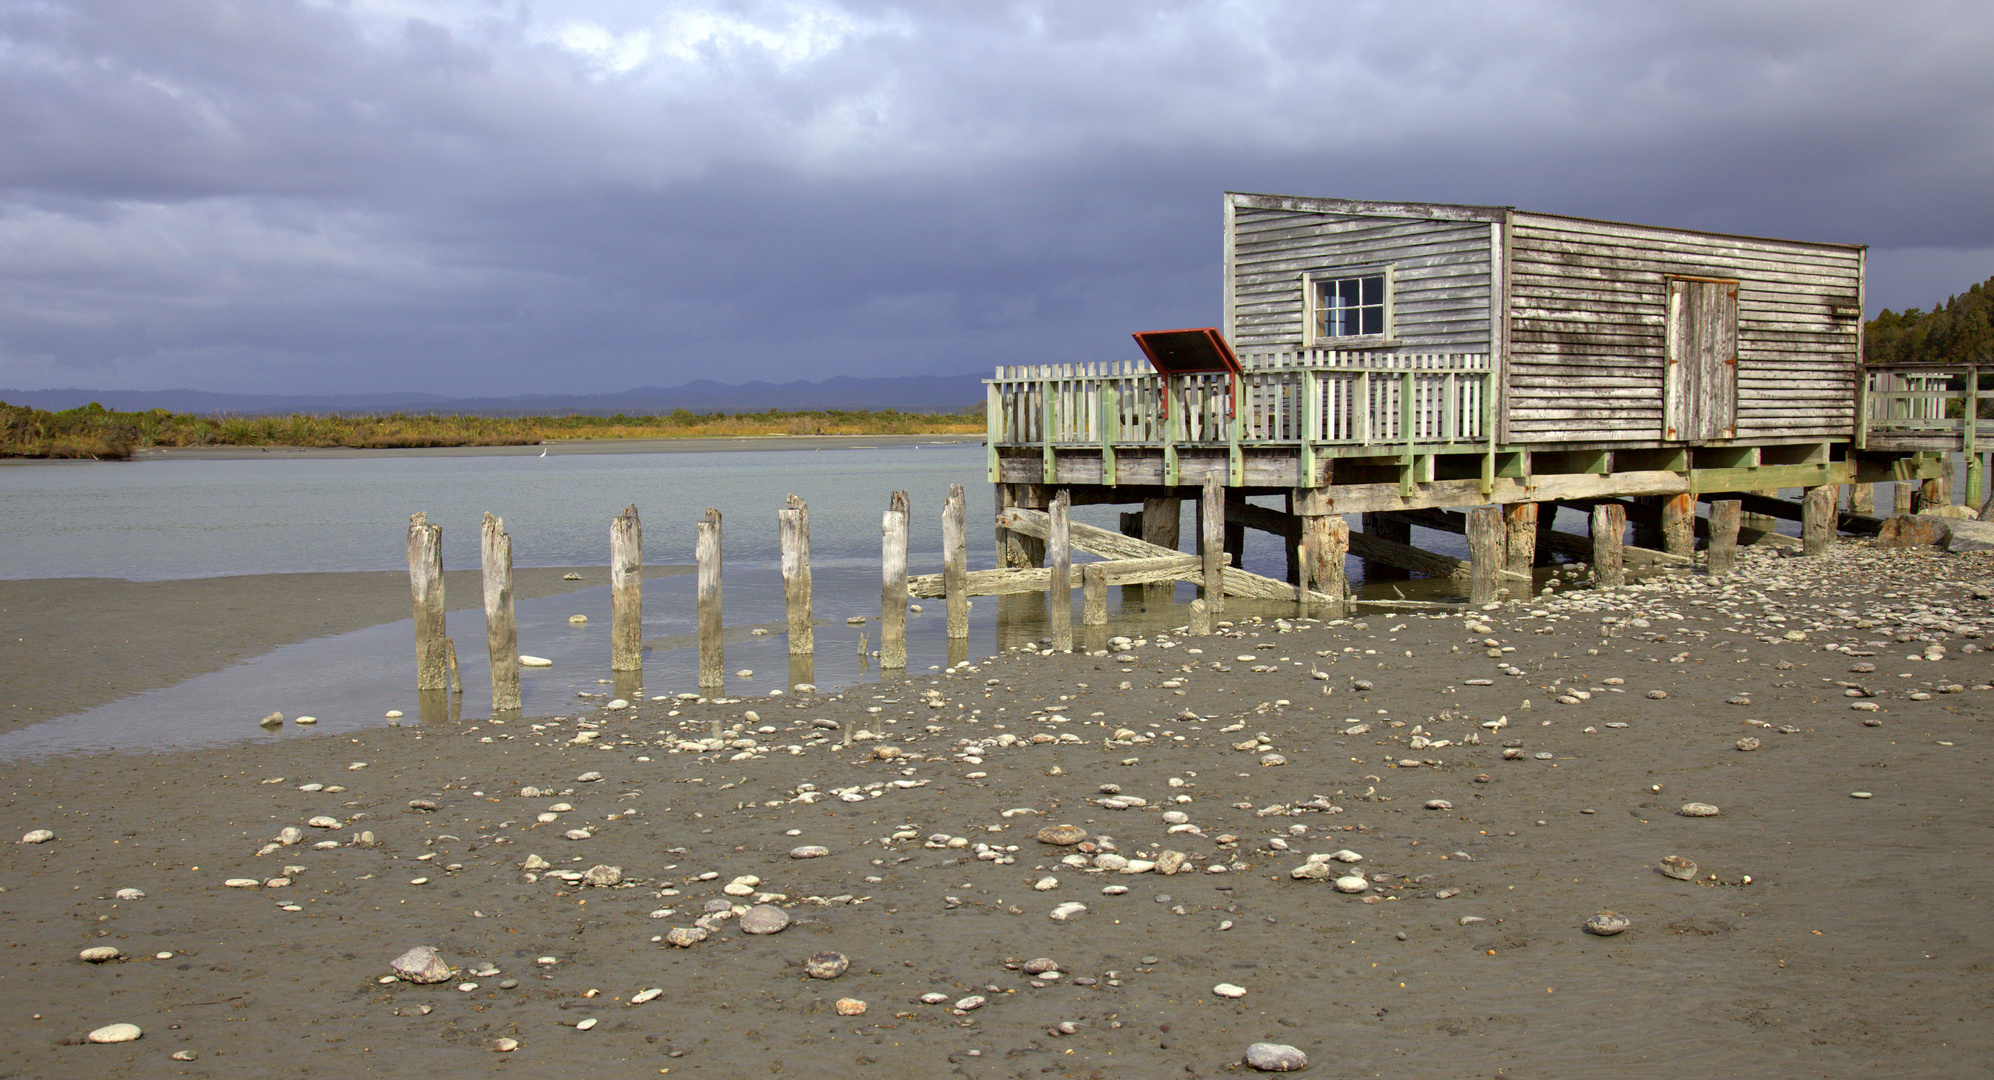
point(454, 194)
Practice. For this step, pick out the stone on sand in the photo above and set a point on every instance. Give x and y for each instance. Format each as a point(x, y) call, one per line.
point(116, 1033)
point(422, 964)
point(1275, 1057)
point(764, 919)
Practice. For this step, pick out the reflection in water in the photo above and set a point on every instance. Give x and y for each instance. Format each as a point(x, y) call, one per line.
point(802, 670)
point(435, 708)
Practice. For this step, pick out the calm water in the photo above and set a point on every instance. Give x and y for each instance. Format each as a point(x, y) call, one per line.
point(177, 518)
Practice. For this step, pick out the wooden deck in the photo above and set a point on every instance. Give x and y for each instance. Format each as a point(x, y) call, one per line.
point(1392, 432)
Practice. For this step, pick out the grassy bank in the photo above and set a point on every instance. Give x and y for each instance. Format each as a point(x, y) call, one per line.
point(96, 432)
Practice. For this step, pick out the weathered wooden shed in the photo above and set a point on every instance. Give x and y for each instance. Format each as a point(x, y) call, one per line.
point(1397, 359)
point(1603, 334)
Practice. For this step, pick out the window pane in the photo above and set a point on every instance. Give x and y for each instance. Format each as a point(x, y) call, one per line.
point(1374, 290)
point(1374, 320)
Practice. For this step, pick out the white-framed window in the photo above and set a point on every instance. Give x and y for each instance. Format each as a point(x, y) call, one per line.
point(1347, 306)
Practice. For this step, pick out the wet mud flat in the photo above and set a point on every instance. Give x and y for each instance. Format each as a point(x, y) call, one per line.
point(68, 644)
point(1494, 778)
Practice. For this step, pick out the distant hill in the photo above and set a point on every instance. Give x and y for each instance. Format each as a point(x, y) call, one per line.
point(907, 393)
point(1958, 332)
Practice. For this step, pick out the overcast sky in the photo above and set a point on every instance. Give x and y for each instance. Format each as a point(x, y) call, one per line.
point(494, 196)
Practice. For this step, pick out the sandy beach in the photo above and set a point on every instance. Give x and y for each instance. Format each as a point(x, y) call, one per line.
point(1494, 779)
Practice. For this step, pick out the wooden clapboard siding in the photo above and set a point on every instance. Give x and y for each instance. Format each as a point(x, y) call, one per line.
point(1588, 330)
point(1441, 260)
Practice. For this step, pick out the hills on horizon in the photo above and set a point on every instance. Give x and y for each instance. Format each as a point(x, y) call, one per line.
point(905, 393)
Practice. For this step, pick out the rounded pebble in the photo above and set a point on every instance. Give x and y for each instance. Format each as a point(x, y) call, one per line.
point(850, 1007)
point(764, 919)
point(116, 1033)
point(101, 954)
point(1229, 990)
point(1607, 924)
point(1677, 867)
point(1698, 809)
point(37, 836)
point(1275, 1057)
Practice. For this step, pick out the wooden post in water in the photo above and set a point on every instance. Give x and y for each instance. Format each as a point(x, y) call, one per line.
point(501, 631)
point(1211, 542)
point(955, 563)
point(1904, 497)
point(1094, 595)
point(450, 662)
point(626, 591)
point(1679, 524)
point(1059, 559)
point(893, 585)
point(1488, 553)
point(1160, 526)
point(794, 521)
point(712, 652)
point(1862, 499)
point(425, 581)
point(1609, 538)
point(1521, 541)
point(1817, 519)
point(1725, 515)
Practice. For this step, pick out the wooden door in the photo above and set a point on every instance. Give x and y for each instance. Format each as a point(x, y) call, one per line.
point(1700, 387)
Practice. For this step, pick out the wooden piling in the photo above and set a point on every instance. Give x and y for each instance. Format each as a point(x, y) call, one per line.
point(955, 563)
point(1302, 559)
point(1817, 522)
point(626, 591)
point(1937, 491)
point(425, 579)
point(893, 584)
point(1904, 497)
point(450, 664)
point(1488, 553)
point(1325, 540)
point(1211, 542)
point(1059, 559)
point(1862, 499)
point(712, 651)
point(1725, 515)
point(1094, 595)
point(1679, 524)
point(1520, 541)
point(1609, 534)
point(1160, 526)
point(794, 523)
point(501, 631)
point(1201, 618)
